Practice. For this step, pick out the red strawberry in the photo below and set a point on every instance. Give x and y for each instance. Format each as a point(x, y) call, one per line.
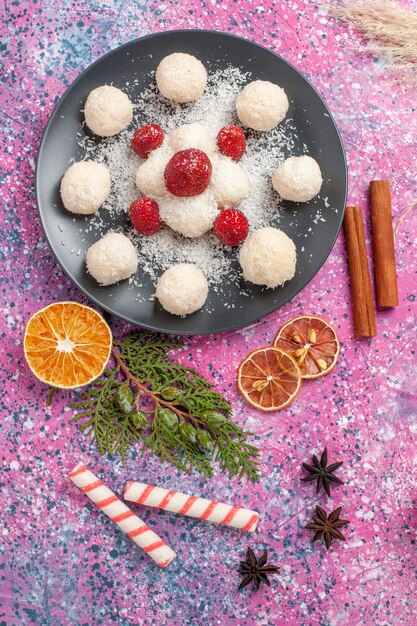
point(231, 142)
point(231, 227)
point(144, 214)
point(188, 173)
point(146, 139)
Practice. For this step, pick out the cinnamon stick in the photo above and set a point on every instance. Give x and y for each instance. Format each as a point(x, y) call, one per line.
point(383, 243)
point(360, 282)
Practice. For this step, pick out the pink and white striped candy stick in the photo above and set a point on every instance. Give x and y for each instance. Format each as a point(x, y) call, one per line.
point(121, 515)
point(178, 502)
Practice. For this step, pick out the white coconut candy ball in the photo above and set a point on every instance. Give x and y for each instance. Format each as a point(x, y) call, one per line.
point(261, 105)
point(107, 111)
point(182, 289)
point(111, 259)
point(228, 181)
point(190, 216)
point(85, 186)
point(298, 179)
point(150, 175)
point(268, 257)
point(181, 77)
point(193, 136)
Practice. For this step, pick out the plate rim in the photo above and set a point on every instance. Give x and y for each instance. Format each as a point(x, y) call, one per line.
point(109, 309)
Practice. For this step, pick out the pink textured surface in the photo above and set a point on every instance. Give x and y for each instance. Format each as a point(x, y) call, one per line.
point(61, 562)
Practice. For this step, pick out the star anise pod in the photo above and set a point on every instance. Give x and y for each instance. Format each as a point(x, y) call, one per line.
point(327, 526)
point(256, 570)
point(322, 473)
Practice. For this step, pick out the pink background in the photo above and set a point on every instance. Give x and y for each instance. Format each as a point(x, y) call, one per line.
point(62, 562)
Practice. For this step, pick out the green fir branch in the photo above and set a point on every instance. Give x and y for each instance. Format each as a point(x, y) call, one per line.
point(146, 355)
point(169, 407)
point(170, 446)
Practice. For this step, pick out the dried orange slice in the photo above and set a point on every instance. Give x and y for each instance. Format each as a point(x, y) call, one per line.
point(67, 344)
point(312, 342)
point(269, 379)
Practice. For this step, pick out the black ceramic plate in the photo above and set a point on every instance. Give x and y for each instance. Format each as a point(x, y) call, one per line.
point(132, 64)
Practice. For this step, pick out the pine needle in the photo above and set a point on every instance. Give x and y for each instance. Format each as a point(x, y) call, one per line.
point(390, 28)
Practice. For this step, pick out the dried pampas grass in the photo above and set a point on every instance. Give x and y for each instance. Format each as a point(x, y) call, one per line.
point(390, 28)
point(408, 210)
